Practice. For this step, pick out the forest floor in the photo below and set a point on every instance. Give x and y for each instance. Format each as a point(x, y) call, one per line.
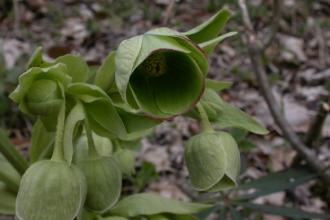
point(298, 67)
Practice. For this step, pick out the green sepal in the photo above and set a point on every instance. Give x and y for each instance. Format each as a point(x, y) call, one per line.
point(151, 204)
point(213, 161)
point(125, 160)
point(51, 190)
point(55, 73)
point(217, 85)
point(158, 66)
point(103, 182)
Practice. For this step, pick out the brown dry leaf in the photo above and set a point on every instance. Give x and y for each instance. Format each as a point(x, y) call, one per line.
point(294, 45)
point(13, 50)
point(281, 158)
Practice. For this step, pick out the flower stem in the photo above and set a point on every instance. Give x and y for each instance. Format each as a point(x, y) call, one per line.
point(91, 145)
point(206, 125)
point(58, 154)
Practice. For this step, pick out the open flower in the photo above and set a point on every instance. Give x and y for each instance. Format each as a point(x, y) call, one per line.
point(213, 161)
point(161, 72)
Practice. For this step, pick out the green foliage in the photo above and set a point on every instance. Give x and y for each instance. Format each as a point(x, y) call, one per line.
point(87, 125)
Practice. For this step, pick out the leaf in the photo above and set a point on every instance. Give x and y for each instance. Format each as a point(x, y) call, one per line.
point(86, 92)
point(76, 66)
point(137, 125)
point(231, 116)
point(104, 119)
point(9, 175)
point(208, 46)
point(113, 218)
point(105, 74)
point(277, 181)
point(7, 201)
point(210, 28)
point(76, 115)
point(217, 85)
point(152, 204)
point(42, 141)
point(284, 211)
point(235, 214)
point(36, 58)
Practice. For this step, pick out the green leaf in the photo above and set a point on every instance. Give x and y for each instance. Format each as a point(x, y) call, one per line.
point(76, 115)
point(12, 154)
point(137, 125)
point(42, 141)
point(210, 28)
point(112, 218)
point(102, 115)
point(284, 211)
point(208, 46)
point(105, 74)
point(76, 66)
point(229, 115)
point(223, 214)
point(277, 181)
point(151, 204)
point(9, 175)
point(217, 85)
point(7, 201)
point(104, 119)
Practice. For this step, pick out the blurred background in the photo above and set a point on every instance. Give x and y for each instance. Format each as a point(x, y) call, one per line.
point(297, 63)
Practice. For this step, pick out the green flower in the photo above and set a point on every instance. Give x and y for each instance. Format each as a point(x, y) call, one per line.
point(40, 90)
point(51, 190)
point(213, 161)
point(161, 72)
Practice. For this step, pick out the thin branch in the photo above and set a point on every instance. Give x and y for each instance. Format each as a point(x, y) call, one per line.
point(168, 12)
point(277, 6)
point(315, 129)
point(255, 51)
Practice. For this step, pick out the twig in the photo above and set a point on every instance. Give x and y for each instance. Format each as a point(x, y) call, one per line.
point(315, 128)
point(255, 49)
point(275, 24)
point(168, 12)
point(17, 17)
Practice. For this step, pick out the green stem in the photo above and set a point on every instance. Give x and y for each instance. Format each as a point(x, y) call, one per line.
point(91, 145)
point(12, 154)
point(206, 125)
point(58, 154)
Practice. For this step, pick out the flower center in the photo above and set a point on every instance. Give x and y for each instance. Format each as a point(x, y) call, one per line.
point(155, 65)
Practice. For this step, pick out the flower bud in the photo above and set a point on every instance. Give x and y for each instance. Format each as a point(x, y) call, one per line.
point(44, 97)
point(213, 161)
point(51, 190)
point(103, 183)
point(126, 161)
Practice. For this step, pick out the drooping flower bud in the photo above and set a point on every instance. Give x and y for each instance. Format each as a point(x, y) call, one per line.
point(162, 71)
point(126, 161)
point(213, 161)
point(44, 97)
point(103, 181)
point(51, 190)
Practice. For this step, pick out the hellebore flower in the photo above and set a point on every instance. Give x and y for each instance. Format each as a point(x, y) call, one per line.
point(51, 190)
point(161, 72)
point(213, 161)
point(102, 174)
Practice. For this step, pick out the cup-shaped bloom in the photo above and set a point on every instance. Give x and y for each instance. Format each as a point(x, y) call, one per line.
point(51, 190)
point(103, 182)
point(40, 90)
point(125, 160)
point(161, 72)
point(213, 161)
